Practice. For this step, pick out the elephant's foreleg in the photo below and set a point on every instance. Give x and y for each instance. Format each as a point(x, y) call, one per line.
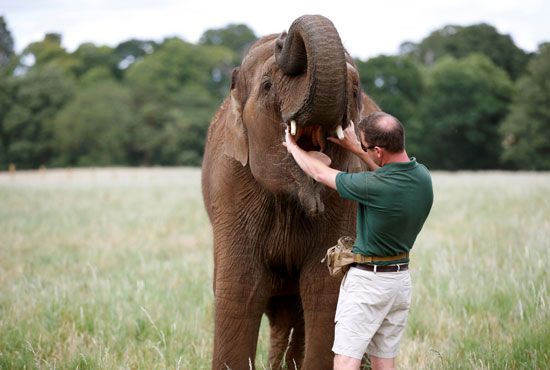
point(319, 293)
point(285, 316)
point(240, 300)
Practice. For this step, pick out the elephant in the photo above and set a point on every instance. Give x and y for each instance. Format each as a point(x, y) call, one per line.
point(271, 223)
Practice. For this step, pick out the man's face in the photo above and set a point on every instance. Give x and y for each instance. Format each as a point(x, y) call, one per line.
point(375, 153)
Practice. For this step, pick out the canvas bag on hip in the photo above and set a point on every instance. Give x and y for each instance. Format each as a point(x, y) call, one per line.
point(339, 257)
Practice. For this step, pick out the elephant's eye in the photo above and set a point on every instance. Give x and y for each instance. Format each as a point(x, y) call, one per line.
point(267, 85)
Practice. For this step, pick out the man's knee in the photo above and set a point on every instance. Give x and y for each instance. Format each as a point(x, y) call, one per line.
point(342, 362)
point(379, 363)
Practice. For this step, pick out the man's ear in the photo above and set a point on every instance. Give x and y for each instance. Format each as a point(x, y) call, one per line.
point(378, 151)
point(236, 142)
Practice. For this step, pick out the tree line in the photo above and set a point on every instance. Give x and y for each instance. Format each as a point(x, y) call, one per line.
point(469, 98)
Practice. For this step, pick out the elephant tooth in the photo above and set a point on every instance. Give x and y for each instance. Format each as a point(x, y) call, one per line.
point(320, 138)
point(314, 138)
point(340, 132)
point(292, 127)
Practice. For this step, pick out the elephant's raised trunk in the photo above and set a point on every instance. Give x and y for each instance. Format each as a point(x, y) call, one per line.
point(313, 46)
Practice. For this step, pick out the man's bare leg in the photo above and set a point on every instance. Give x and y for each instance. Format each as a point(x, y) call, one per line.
point(378, 363)
point(342, 362)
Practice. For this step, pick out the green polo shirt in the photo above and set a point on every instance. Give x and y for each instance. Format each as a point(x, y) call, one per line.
point(393, 203)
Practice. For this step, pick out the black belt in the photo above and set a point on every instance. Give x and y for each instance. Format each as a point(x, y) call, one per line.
point(392, 268)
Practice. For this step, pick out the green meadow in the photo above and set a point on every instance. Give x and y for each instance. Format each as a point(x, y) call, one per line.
point(112, 269)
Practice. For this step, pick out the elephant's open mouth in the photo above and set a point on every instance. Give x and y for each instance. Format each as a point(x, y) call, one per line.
point(311, 138)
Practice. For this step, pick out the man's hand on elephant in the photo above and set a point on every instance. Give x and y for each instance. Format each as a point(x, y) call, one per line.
point(289, 142)
point(350, 141)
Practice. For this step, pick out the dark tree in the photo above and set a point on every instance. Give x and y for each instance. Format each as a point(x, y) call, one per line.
point(526, 130)
point(95, 128)
point(237, 37)
point(459, 42)
point(6, 43)
point(27, 133)
point(464, 104)
point(176, 91)
point(396, 84)
point(49, 52)
point(92, 57)
point(128, 52)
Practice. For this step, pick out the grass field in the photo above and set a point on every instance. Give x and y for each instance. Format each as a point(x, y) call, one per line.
point(112, 268)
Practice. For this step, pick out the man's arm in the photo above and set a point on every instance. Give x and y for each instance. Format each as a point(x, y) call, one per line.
point(351, 143)
point(314, 164)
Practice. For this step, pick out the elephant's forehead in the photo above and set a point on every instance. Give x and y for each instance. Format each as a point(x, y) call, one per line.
point(259, 56)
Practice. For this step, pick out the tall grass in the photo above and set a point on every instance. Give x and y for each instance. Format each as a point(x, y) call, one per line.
point(108, 273)
point(480, 268)
point(113, 269)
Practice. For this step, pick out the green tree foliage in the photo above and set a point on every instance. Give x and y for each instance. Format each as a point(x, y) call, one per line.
point(49, 52)
point(177, 89)
point(459, 42)
point(464, 103)
point(526, 130)
point(177, 63)
point(149, 103)
point(6, 103)
point(92, 57)
point(26, 125)
point(128, 52)
point(46, 50)
point(237, 37)
point(95, 128)
point(174, 134)
point(6, 43)
point(395, 83)
point(96, 75)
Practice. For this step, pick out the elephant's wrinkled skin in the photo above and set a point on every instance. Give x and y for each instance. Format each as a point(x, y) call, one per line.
point(272, 224)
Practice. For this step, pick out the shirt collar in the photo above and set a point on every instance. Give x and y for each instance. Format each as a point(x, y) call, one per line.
point(399, 166)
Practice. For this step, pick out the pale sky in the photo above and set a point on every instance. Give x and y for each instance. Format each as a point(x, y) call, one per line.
point(367, 28)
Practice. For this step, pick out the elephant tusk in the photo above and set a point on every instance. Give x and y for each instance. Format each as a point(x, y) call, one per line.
point(292, 127)
point(340, 132)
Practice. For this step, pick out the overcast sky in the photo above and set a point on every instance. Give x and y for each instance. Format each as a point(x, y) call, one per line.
point(367, 29)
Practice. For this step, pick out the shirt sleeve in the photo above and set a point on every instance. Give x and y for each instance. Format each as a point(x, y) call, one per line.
point(353, 186)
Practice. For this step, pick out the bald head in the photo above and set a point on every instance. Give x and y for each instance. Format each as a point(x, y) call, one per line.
point(383, 130)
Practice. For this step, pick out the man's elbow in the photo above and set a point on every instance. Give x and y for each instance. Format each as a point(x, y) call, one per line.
point(326, 178)
point(317, 175)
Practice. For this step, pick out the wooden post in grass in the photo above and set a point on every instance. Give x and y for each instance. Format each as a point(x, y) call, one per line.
point(12, 171)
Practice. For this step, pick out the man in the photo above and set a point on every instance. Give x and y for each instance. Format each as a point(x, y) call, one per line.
point(394, 199)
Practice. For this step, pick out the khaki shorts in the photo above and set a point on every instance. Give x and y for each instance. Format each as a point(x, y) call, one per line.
point(372, 312)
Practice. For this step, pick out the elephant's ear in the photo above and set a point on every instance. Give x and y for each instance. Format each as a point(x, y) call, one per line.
point(236, 142)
